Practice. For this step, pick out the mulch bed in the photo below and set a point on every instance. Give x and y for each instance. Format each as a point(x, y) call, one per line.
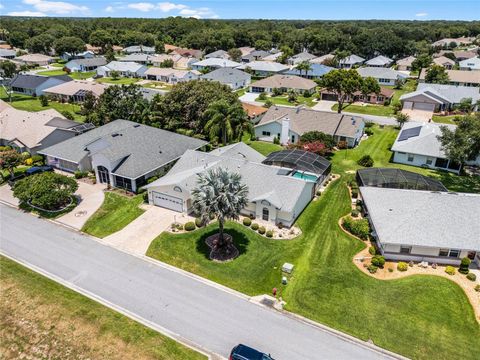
point(224, 253)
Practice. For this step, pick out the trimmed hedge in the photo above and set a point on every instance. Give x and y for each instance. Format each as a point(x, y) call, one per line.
point(255, 226)
point(269, 233)
point(450, 270)
point(402, 266)
point(247, 221)
point(261, 230)
point(189, 226)
point(360, 228)
point(471, 276)
point(464, 265)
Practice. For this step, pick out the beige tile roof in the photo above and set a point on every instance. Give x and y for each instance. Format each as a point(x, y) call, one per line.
point(156, 71)
point(441, 60)
point(253, 110)
point(460, 76)
point(72, 87)
point(286, 81)
point(406, 61)
point(34, 58)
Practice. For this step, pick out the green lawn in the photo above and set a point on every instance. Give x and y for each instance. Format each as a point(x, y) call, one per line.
point(52, 73)
point(421, 317)
point(82, 75)
point(283, 100)
point(57, 65)
point(116, 212)
point(445, 119)
point(119, 81)
point(43, 319)
point(241, 92)
point(30, 103)
point(157, 85)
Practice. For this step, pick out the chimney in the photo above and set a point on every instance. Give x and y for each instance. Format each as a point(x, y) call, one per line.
point(285, 130)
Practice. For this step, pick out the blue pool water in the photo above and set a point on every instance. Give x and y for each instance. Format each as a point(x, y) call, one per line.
point(307, 177)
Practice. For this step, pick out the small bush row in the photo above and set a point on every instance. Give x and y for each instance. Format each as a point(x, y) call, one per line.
point(360, 228)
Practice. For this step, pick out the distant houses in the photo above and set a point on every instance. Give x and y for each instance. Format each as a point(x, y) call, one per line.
point(263, 68)
point(316, 71)
point(351, 61)
point(75, 91)
point(284, 83)
point(35, 59)
point(470, 64)
point(234, 78)
point(458, 77)
point(379, 61)
point(384, 76)
point(84, 65)
point(169, 75)
point(214, 63)
point(405, 64)
point(35, 85)
point(299, 58)
point(123, 68)
point(447, 63)
point(139, 49)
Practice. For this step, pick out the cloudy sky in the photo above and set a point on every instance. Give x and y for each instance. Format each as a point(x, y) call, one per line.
point(267, 9)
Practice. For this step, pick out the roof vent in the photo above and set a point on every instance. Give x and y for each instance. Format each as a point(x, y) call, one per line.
point(116, 134)
point(136, 125)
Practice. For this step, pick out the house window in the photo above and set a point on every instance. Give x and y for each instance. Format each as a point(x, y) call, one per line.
point(265, 214)
point(454, 253)
point(405, 249)
point(410, 157)
point(177, 189)
point(293, 138)
point(429, 161)
point(441, 163)
point(443, 252)
point(380, 98)
point(266, 133)
point(123, 183)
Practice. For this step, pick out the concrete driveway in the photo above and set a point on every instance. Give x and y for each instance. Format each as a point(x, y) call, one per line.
point(90, 199)
point(250, 97)
point(324, 105)
point(418, 115)
point(137, 236)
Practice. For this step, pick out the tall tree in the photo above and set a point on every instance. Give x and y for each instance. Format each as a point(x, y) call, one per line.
point(304, 66)
point(436, 74)
point(42, 43)
point(342, 83)
point(101, 38)
point(9, 160)
point(462, 143)
point(9, 69)
point(422, 61)
point(235, 54)
point(69, 44)
point(224, 119)
point(370, 86)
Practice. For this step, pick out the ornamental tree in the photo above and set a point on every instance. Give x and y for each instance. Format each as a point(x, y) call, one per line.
point(342, 83)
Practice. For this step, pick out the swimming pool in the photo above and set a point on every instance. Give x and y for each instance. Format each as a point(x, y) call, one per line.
point(304, 176)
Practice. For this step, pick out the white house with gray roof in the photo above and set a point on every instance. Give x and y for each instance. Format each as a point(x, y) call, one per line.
point(122, 153)
point(379, 61)
point(418, 225)
point(87, 64)
point(214, 63)
point(384, 76)
point(264, 68)
point(281, 199)
point(351, 61)
point(299, 58)
point(140, 49)
point(235, 79)
point(470, 64)
point(219, 54)
point(124, 68)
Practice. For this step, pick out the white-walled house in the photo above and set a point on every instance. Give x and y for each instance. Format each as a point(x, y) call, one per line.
point(122, 153)
point(169, 75)
point(418, 225)
point(124, 68)
point(384, 76)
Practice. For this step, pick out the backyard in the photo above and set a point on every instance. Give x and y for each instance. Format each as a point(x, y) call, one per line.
point(118, 81)
point(420, 316)
point(40, 319)
point(116, 212)
point(283, 100)
point(74, 75)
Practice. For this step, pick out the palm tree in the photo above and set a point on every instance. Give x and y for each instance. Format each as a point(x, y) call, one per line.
point(224, 120)
point(305, 66)
point(219, 194)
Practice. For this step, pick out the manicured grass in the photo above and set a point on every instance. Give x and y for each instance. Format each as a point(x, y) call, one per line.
point(41, 319)
point(58, 65)
point(421, 317)
point(82, 75)
point(52, 73)
point(264, 147)
point(116, 212)
point(241, 92)
point(30, 103)
point(283, 100)
point(119, 81)
point(445, 119)
point(158, 85)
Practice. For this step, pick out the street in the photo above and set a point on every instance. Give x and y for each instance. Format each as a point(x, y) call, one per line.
point(190, 309)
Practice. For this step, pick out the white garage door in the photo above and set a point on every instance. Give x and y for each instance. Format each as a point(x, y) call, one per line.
point(167, 201)
point(424, 106)
point(407, 105)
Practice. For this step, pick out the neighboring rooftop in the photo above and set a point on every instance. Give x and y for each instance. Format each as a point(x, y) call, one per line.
point(218, 54)
point(32, 58)
point(317, 70)
point(88, 62)
point(239, 151)
point(122, 66)
point(300, 57)
point(73, 87)
point(443, 60)
point(352, 60)
point(379, 60)
point(452, 93)
point(32, 81)
point(253, 110)
point(424, 218)
point(381, 73)
point(217, 62)
point(227, 75)
point(137, 57)
point(139, 49)
point(459, 76)
point(285, 81)
point(266, 66)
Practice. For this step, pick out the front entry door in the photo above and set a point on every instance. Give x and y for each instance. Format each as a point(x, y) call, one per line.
point(103, 175)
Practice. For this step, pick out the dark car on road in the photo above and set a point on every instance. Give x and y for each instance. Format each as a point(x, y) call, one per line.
point(38, 170)
point(244, 352)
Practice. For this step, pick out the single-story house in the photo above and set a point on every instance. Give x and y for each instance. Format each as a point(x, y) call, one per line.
point(281, 199)
point(35, 59)
point(235, 79)
point(83, 55)
point(219, 54)
point(124, 68)
point(122, 153)
point(288, 123)
point(169, 75)
point(417, 144)
point(418, 225)
point(379, 61)
point(316, 72)
point(384, 76)
point(34, 131)
point(254, 112)
point(465, 54)
point(188, 52)
point(447, 63)
point(8, 53)
point(470, 64)
point(34, 85)
point(351, 61)
point(179, 62)
point(385, 94)
point(322, 59)
point(139, 49)
point(87, 64)
point(255, 55)
point(214, 63)
point(300, 57)
point(263, 68)
point(438, 97)
point(272, 57)
point(458, 77)
point(75, 91)
point(458, 41)
point(96, 49)
point(284, 83)
point(245, 50)
point(138, 58)
point(405, 64)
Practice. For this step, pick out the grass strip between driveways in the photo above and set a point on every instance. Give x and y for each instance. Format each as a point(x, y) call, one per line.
point(40, 319)
point(116, 212)
point(421, 317)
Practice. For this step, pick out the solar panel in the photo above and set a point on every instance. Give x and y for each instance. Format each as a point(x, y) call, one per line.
point(409, 133)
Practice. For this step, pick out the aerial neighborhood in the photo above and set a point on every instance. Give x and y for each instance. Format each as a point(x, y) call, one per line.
point(305, 168)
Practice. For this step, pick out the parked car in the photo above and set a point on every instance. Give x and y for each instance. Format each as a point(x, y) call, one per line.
point(38, 170)
point(244, 352)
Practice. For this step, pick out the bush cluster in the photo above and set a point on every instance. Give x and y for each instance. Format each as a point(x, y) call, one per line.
point(372, 250)
point(365, 161)
point(269, 233)
point(369, 132)
point(80, 174)
point(189, 226)
point(378, 261)
point(402, 266)
point(355, 213)
point(471, 276)
point(450, 270)
point(464, 265)
point(247, 221)
point(372, 268)
point(261, 230)
point(255, 226)
point(360, 228)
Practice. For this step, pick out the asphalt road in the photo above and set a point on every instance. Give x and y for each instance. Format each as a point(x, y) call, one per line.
point(193, 310)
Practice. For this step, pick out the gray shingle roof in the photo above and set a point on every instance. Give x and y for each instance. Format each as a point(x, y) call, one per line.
point(379, 60)
point(95, 61)
point(380, 73)
point(424, 218)
point(452, 92)
point(352, 60)
point(217, 54)
point(7, 52)
point(239, 151)
point(30, 81)
point(227, 75)
point(139, 148)
point(269, 66)
point(139, 49)
point(318, 70)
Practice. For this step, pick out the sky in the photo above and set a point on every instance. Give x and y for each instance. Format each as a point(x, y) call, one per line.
point(251, 9)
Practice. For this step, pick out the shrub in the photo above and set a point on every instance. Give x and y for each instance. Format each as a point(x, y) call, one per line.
point(318, 193)
point(68, 114)
point(189, 226)
point(28, 161)
point(268, 103)
point(355, 213)
point(368, 124)
point(354, 193)
point(80, 174)
point(262, 96)
point(276, 140)
point(372, 269)
point(5, 148)
point(372, 250)
point(464, 265)
point(198, 222)
point(277, 92)
point(365, 161)
point(358, 208)
point(269, 233)
point(360, 228)
point(152, 179)
point(261, 230)
point(280, 225)
point(402, 266)
point(390, 269)
point(255, 226)
point(450, 270)
point(43, 100)
point(471, 276)
point(378, 261)
point(369, 132)
point(37, 159)
point(477, 288)
point(247, 221)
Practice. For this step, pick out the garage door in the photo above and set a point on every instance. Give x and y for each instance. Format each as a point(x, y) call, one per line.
point(424, 106)
point(167, 201)
point(407, 105)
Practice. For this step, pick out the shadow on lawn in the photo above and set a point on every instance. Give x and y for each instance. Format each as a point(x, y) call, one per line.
point(240, 240)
